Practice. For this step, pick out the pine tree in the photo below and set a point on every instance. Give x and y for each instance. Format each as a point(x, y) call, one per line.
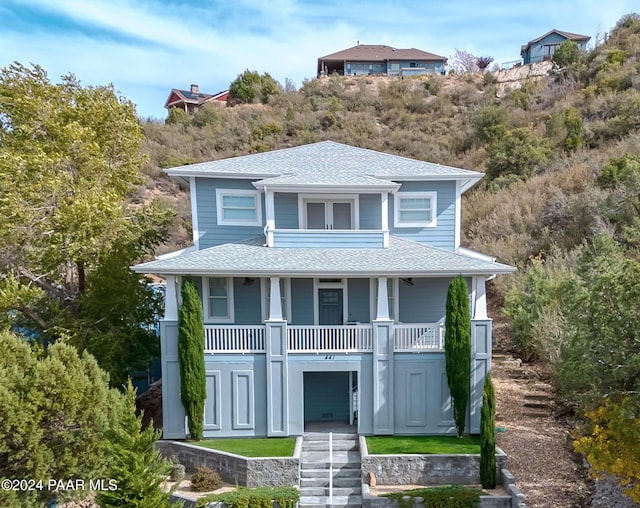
point(457, 349)
point(488, 436)
point(193, 389)
point(135, 464)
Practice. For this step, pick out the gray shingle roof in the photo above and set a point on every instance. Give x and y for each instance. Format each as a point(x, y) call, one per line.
point(324, 163)
point(250, 257)
point(377, 52)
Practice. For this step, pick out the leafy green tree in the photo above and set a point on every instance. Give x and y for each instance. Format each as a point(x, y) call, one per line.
point(250, 86)
point(71, 158)
point(519, 152)
point(566, 54)
point(488, 435)
point(620, 170)
point(56, 408)
point(575, 130)
point(457, 349)
point(134, 462)
point(193, 389)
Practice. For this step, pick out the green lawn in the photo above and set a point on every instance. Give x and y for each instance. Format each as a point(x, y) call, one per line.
point(252, 447)
point(397, 445)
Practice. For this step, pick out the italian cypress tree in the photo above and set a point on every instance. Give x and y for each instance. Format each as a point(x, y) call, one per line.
point(488, 436)
point(457, 349)
point(193, 390)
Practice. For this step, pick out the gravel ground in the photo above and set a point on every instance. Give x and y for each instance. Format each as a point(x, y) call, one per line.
point(537, 444)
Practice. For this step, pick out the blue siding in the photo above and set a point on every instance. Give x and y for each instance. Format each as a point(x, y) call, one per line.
point(370, 211)
point(286, 210)
point(301, 301)
point(247, 302)
point(425, 301)
point(358, 303)
point(329, 238)
point(422, 400)
point(243, 400)
point(443, 235)
point(210, 233)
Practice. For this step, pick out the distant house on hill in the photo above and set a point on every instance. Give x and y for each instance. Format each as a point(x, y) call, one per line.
point(376, 60)
point(189, 100)
point(544, 47)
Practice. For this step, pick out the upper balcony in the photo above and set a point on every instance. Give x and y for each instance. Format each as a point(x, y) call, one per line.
point(327, 238)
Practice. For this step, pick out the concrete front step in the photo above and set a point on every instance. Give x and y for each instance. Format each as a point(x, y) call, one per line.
point(313, 446)
point(337, 501)
point(351, 483)
point(345, 472)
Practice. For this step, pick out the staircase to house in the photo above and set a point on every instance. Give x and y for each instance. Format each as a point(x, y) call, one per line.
point(330, 470)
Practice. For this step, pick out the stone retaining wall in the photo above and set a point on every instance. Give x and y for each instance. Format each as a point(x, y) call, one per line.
point(235, 469)
point(425, 469)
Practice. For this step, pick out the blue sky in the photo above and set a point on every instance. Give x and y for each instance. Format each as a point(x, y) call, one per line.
point(147, 47)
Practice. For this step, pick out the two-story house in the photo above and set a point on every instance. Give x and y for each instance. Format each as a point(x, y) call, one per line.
point(542, 48)
point(323, 271)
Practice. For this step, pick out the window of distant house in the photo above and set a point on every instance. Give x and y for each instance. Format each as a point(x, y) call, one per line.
point(238, 207)
point(219, 299)
point(550, 49)
point(415, 210)
point(412, 64)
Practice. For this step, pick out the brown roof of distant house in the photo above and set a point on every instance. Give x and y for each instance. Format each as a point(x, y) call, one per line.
point(569, 35)
point(373, 52)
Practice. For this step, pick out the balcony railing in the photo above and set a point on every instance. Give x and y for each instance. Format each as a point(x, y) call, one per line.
point(416, 338)
point(330, 339)
point(327, 238)
point(234, 339)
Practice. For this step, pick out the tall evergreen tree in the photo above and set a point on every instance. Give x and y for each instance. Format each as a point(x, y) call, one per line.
point(488, 435)
point(193, 390)
point(135, 463)
point(457, 349)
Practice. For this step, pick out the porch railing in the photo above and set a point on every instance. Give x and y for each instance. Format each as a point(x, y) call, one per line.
point(234, 339)
point(418, 337)
point(330, 339)
point(415, 338)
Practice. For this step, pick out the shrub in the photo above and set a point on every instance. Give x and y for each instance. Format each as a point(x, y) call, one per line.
point(205, 479)
point(519, 152)
point(567, 53)
point(488, 435)
point(261, 497)
point(453, 496)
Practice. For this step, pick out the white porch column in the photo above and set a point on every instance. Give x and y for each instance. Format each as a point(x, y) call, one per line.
point(385, 218)
point(480, 302)
point(382, 382)
point(171, 299)
point(275, 302)
point(382, 308)
point(277, 366)
point(270, 213)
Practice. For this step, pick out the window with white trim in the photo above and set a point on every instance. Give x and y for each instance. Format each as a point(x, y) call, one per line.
point(415, 210)
point(218, 294)
point(238, 207)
